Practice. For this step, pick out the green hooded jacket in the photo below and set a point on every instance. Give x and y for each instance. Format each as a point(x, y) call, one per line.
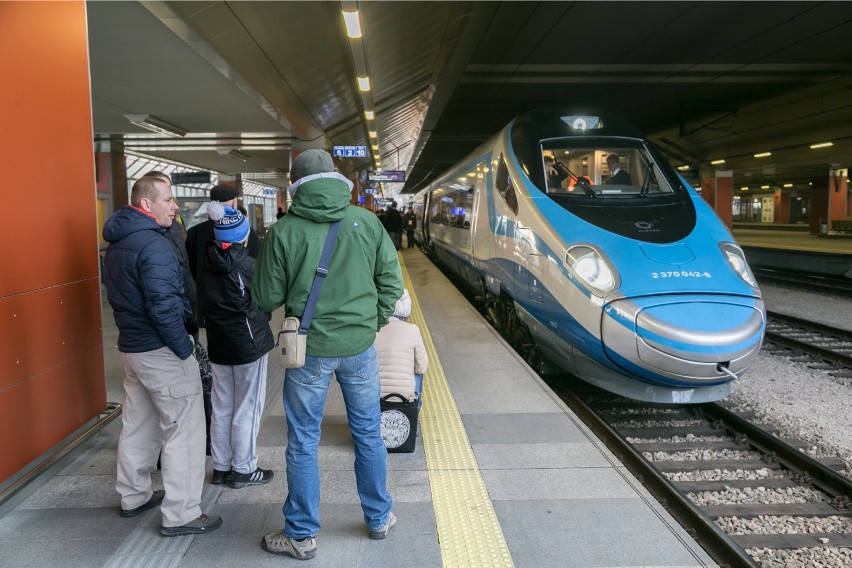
point(364, 277)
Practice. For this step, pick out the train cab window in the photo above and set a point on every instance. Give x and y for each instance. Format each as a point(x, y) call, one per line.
point(504, 186)
point(601, 168)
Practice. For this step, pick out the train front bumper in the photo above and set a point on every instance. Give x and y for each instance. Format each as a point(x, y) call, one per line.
point(684, 340)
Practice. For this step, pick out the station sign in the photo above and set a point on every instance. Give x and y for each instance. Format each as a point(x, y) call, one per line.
point(386, 175)
point(349, 151)
point(269, 192)
point(369, 191)
point(186, 178)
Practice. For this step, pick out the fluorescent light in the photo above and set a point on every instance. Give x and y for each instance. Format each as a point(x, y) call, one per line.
point(764, 187)
point(154, 124)
point(364, 83)
point(373, 134)
point(717, 162)
point(788, 185)
point(821, 145)
point(763, 155)
point(353, 24)
point(683, 168)
point(375, 146)
point(369, 114)
point(744, 188)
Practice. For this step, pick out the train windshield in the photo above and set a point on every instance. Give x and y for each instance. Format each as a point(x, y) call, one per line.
point(601, 168)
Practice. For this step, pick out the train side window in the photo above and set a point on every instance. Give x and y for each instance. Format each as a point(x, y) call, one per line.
point(505, 187)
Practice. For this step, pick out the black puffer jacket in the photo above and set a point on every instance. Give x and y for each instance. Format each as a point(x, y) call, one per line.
point(144, 285)
point(237, 329)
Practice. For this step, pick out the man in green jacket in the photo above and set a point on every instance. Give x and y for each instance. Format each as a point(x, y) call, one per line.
point(357, 299)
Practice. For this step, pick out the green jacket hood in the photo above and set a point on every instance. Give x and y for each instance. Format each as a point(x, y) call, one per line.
point(321, 197)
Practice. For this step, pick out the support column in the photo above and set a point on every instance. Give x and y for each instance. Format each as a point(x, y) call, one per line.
point(828, 200)
point(718, 191)
point(782, 206)
point(837, 195)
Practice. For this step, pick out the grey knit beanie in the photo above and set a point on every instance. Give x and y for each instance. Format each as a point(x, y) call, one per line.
point(311, 162)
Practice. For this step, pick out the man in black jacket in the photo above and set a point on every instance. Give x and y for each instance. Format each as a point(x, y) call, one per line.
point(162, 413)
point(198, 236)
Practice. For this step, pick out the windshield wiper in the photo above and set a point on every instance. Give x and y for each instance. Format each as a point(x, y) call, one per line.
point(649, 170)
point(581, 181)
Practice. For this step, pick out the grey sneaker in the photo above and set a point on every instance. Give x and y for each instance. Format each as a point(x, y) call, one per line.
point(277, 543)
point(382, 532)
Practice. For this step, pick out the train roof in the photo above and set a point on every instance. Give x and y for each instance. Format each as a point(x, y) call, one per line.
point(542, 124)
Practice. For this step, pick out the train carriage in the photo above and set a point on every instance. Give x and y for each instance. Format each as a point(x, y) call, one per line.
point(592, 254)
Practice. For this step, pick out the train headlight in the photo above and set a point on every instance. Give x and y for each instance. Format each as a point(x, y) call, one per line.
point(736, 259)
point(592, 268)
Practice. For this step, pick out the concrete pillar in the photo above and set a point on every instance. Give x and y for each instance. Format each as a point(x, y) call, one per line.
point(718, 191)
point(782, 206)
point(828, 200)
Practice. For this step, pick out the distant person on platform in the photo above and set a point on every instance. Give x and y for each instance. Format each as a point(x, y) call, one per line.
point(198, 236)
point(162, 413)
point(410, 222)
point(393, 224)
point(364, 282)
point(280, 214)
point(239, 339)
point(617, 175)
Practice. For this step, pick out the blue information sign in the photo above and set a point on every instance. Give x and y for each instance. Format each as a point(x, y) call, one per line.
point(349, 151)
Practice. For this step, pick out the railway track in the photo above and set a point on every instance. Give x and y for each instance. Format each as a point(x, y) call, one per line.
point(827, 347)
point(747, 496)
point(810, 282)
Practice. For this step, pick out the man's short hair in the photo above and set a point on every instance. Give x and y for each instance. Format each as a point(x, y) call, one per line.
point(147, 187)
point(158, 174)
point(612, 157)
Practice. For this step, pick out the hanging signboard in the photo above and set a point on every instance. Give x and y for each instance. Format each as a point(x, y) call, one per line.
point(349, 151)
point(386, 175)
point(186, 178)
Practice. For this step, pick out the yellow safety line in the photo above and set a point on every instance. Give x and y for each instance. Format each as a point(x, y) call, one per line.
point(469, 533)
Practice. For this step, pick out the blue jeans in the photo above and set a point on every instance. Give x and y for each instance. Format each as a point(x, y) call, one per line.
point(418, 389)
point(305, 391)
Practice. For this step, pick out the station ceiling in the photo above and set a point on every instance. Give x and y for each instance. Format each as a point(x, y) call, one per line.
point(249, 81)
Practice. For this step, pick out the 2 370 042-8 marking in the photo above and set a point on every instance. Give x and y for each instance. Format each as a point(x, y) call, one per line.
point(681, 274)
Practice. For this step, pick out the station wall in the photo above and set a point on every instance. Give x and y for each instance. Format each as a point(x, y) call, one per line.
point(51, 354)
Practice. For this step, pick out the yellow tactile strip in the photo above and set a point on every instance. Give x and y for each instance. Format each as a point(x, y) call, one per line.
point(469, 533)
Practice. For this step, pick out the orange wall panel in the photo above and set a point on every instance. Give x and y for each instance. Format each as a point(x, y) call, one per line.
point(40, 412)
point(50, 333)
point(45, 101)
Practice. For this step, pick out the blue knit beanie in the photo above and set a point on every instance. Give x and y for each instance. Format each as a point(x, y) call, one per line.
point(229, 224)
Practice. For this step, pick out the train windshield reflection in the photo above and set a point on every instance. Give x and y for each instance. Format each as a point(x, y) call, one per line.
point(601, 168)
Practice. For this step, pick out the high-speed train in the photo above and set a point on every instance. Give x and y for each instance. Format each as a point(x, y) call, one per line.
point(594, 256)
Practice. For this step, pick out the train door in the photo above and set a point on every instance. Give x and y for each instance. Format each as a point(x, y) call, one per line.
point(482, 239)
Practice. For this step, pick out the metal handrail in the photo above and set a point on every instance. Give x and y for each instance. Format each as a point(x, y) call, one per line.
point(112, 411)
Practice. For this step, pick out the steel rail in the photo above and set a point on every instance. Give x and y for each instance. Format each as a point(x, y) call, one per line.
point(808, 347)
point(702, 528)
point(793, 459)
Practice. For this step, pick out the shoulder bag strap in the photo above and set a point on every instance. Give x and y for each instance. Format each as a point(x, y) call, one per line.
point(319, 278)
